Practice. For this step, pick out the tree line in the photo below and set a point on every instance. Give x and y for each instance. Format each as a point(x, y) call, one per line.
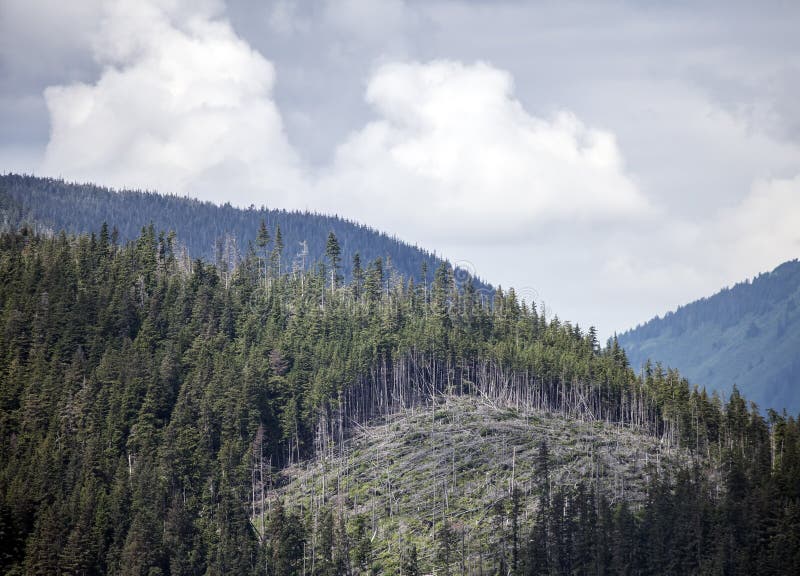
point(204, 230)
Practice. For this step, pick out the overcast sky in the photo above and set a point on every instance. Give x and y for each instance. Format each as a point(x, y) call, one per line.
point(611, 160)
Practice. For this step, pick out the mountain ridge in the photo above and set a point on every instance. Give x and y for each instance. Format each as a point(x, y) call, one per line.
point(746, 335)
point(205, 228)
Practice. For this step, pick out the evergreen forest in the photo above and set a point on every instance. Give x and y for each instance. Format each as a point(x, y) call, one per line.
point(149, 403)
point(219, 234)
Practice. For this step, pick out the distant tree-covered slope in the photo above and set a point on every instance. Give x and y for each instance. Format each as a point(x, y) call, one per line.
point(208, 231)
point(748, 335)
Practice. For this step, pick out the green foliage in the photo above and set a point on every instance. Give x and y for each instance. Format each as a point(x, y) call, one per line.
point(684, 528)
point(134, 384)
point(45, 204)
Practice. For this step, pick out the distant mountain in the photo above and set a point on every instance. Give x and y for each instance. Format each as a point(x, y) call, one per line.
point(748, 335)
point(203, 227)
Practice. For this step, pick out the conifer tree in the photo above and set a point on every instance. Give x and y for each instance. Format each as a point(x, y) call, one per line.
point(262, 241)
point(358, 277)
point(333, 251)
point(277, 252)
point(410, 563)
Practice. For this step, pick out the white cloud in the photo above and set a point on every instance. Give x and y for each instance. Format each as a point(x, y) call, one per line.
point(183, 105)
point(644, 272)
point(455, 152)
point(184, 109)
point(763, 230)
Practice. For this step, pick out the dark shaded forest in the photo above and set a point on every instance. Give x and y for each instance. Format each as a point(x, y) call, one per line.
point(205, 230)
point(143, 395)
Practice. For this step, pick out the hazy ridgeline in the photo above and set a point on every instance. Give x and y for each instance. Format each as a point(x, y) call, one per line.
point(205, 230)
point(747, 336)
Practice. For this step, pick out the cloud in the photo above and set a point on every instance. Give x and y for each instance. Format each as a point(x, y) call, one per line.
point(752, 236)
point(182, 105)
point(453, 150)
point(44, 41)
point(676, 260)
point(762, 231)
point(284, 19)
point(371, 22)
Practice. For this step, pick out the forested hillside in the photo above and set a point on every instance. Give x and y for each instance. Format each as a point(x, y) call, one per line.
point(218, 234)
point(151, 407)
point(748, 336)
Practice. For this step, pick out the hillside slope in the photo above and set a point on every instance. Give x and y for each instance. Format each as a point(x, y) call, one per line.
point(459, 461)
point(747, 335)
point(146, 401)
point(204, 228)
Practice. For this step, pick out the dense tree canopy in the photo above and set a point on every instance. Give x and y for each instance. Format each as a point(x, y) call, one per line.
point(205, 230)
point(145, 399)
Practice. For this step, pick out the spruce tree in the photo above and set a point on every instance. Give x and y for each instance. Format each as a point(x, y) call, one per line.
point(333, 251)
point(262, 241)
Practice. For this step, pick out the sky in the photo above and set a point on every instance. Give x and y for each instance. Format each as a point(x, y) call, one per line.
point(610, 160)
